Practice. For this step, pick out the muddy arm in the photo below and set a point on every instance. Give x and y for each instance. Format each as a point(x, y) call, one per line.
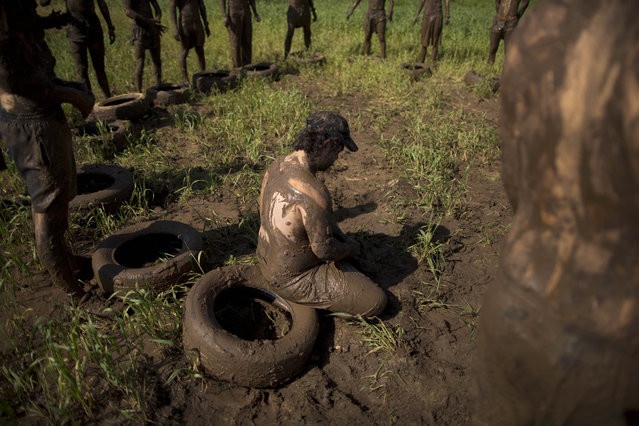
point(254, 9)
point(107, 18)
point(133, 14)
point(312, 6)
point(522, 9)
point(156, 8)
point(447, 6)
point(325, 243)
point(391, 5)
point(205, 19)
point(350, 12)
point(419, 10)
point(173, 19)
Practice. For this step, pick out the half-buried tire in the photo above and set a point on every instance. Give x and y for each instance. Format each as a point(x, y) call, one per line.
point(107, 185)
point(152, 255)
point(262, 69)
point(220, 80)
point(129, 106)
point(245, 334)
point(167, 94)
point(417, 70)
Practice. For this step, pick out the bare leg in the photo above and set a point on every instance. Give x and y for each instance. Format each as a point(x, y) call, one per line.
point(495, 37)
point(199, 51)
point(79, 53)
point(183, 55)
point(422, 54)
point(288, 40)
point(307, 36)
point(97, 58)
point(53, 252)
point(139, 65)
point(157, 64)
point(367, 42)
point(381, 34)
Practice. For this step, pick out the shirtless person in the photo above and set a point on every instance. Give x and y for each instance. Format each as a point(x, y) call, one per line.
point(375, 21)
point(85, 34)
point(431, 26)
point(299, 15)
point(146, 32)
point(302, 252)
point(509, 12)
point(189, 30)
point(237, 18)
point(36, 133)
point(559, 328)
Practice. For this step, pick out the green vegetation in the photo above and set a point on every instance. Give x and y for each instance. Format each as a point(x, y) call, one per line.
point(60, 367)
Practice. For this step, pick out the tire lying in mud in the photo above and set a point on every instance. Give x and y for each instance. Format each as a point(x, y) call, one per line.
point(129, 106)
point(417, 70)
point(471, 78)
point(308, 58)
point(167, 94)
point(262, 70)
point(114, 131)
point(102, 184)
point(254, 353)
point(208, 81)
point(152, 255)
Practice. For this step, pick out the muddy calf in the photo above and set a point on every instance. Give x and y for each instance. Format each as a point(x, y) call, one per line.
point(559, 333)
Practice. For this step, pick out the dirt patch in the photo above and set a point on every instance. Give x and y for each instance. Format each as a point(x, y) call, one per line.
point(425, 376)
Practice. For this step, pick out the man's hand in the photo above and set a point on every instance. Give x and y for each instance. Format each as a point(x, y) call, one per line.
point(314, 15)
point(226, 21)
point(415, 20)
point(257, 18)
point(111, 35)
point(390, 17)
point(207, 30)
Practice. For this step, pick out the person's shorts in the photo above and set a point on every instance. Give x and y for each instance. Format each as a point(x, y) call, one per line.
point(192, 33)
point(337, 286)
point(40, 145)
point(431, 30)
point(374, 18)
point(148, 39)
point(85, 32)
point(298, 17)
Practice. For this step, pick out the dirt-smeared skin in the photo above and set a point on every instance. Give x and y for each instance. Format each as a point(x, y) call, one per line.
point(375, 21)
point(560, 328)
point(431, 26)
point(299, 15)
point(190, 29)
point(508, 14)
point(301, 250)
point(237, 18)
point(146, 30)
point(85, 36)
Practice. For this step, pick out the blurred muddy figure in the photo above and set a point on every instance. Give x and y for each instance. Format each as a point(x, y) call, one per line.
point(238, 20)
point(85, 35)
point(299, 15)
point(375, 21)
point(431, 26)
point(36, 133)
point(509, 12)
point(302, 252)
point(190, 30)
point(146, 32)
point(559, 331)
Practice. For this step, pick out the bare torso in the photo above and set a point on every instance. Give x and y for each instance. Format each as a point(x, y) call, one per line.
point(375, 5)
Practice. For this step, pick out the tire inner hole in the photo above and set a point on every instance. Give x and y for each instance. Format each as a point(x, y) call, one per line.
point(93, 182)
point(250, 314)
point(147, 250)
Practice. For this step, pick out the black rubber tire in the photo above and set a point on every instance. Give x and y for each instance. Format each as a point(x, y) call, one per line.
point(112, 275)
point(252, 363)
point(167, 94)
point(417, 70)
point(220, 80)
point(262, 69)
point(304, 58)
point(129, 106)
point(115, 186)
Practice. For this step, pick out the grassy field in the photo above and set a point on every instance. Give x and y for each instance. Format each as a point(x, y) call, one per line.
point(44, 359)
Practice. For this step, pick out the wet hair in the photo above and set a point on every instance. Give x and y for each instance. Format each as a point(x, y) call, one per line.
point(323, 128)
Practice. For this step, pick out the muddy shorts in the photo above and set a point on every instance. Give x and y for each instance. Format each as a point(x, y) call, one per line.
point(191, 33)
point(85, 31)
point(146, 38)
point(339, 287)
point(40, 145)
point(504, 26)
point(298, 17)
point(373, 18)
point(431, 30)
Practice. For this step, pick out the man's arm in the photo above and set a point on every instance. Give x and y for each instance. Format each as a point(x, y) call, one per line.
point(310, 3)
point(205, 19)
point(419, 10)
point(225, 13)
point(173, 19)
point(447, 6)
point(522, 9)
point(350, 12)
point(497, 3)
point(156, 8)
point(133, 14)
point(391, 5)
point(254, 9)
point(107, 18)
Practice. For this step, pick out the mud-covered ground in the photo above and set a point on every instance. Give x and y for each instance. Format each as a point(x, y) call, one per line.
point(427, 379)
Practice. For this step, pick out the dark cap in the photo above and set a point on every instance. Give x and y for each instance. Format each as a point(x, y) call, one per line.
point(332, 123)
